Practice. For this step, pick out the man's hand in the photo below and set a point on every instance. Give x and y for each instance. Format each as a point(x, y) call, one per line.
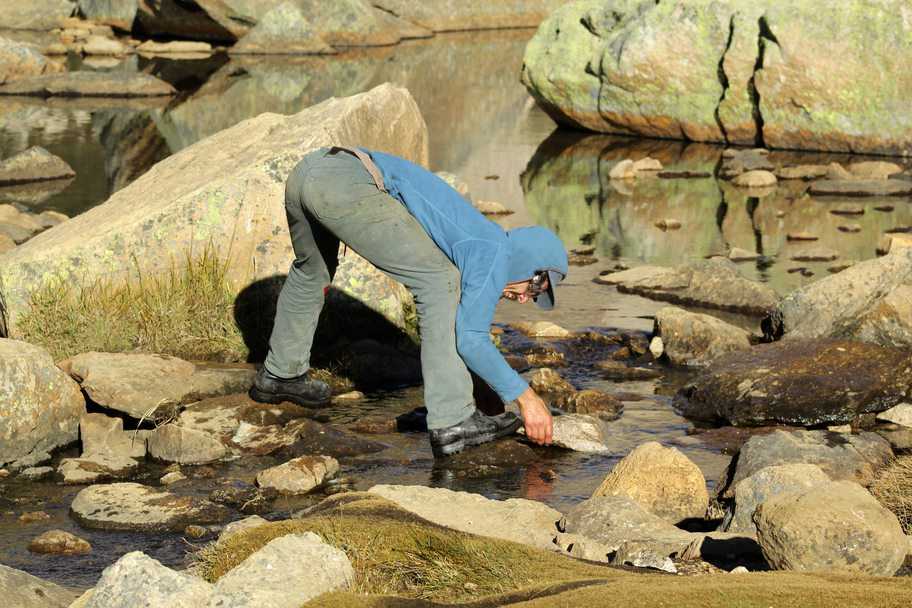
point(536, 417)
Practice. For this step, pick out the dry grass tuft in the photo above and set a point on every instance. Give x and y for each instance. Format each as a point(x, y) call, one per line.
point(893, 488)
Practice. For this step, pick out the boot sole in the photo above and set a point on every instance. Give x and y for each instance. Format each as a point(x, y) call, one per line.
point(263, 397)
point(458, 446)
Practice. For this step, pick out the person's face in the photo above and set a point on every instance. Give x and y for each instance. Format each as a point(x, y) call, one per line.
point(525, 291)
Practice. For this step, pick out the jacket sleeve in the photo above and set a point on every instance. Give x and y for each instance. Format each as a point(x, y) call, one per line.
point(482, 285)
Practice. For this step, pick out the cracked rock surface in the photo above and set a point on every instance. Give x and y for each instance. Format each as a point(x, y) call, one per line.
point(795, 75)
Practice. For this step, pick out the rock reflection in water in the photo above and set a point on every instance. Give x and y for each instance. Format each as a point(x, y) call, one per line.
point(567, 188)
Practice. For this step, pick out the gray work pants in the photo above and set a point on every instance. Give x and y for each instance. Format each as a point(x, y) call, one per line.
point(332, 197)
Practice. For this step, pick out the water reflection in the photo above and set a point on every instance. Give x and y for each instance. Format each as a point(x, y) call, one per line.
point(567, 188)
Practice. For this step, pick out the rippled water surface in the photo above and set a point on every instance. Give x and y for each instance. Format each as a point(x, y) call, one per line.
point(483, 127)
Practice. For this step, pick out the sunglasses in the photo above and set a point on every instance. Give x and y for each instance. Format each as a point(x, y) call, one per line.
point(539, 284)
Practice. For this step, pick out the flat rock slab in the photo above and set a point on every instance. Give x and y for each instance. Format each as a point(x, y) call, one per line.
point(798, 382)
point(707, 283)
point(89, 84)
point(840, 455)
point(22, 590)
point(861, 187)
point(135, 507)
point(518, 520)
point(95, 468)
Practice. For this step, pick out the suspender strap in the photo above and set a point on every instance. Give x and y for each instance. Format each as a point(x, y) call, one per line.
point(367, 162)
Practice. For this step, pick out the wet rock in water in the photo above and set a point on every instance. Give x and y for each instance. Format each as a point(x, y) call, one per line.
point(174, 443)
point(874, 169)
point(755, 179)
point(31, 517)
point(286, 573)
point(801, 236)
point(579, 433)
point(102, 434)
point(615, 520)
point(575, 259)
point(116, 13)
point(18, 60)
point(849, 228)
point(861, 187)
point(900, 414)
point(100, 45)
point(174, 47)
point(523, 521)
point(694, 339)
point(647, 166)
point(171, 478)
point(837, 526)
point(33, 165)
point(89, 84)
point(96, 467)
point(542, 329)
point(549, 384)
point(661, 480)
point(30, 460)
point(491, 458)
point(766, 483)
point(742, 255)
point(867, 302)
point(41, 405)
point(284, 30)
point(713, 283)
point(22, 590)
point(819, 254)
point(134, 507)
point(315, 438)
point(741, 162)
point(805, 172)
point(852, 457)
point(36, 473)
point(545, 356)
point(618, 371)
point(244, 497)
point(59, 542)
point(592, 402)
point(848, 210)
point(798, 382)
point(624, 169)
point(299, 475)
point(137, 579)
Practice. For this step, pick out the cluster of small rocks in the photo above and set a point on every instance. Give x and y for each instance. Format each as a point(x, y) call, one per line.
point(18, 224)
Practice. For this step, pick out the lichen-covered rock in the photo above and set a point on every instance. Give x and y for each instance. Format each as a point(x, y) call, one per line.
point(837, 526)
point(131, 506)
point(764, 484)
point(18, 60)
point(137, 579)
point(40, 406)
point(32, 15)
point(786, 75)
point(463, 15)
point(282, 31)
point(299, 475)
point(798, 382)
point(694, 339)
point(226, 190)
point(662, 480)
point(591, 402)
point(116, 13)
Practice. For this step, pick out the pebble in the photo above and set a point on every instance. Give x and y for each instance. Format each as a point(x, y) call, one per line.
point(33, 516)
point(172, 477)
point(59, 542)
point(668, 224)
point(349, 396)
point(740, 570)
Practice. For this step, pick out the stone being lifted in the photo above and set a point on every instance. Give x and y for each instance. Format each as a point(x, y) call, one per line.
point(795, 75)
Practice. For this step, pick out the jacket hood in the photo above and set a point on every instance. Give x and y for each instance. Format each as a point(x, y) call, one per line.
point(534, 249)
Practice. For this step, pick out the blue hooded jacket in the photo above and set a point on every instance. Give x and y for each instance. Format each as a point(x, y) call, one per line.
point(487, 258)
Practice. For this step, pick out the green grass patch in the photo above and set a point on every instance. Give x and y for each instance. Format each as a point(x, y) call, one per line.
point(893, 488)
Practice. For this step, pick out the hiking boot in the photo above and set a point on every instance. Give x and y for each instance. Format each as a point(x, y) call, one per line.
point(302, 390)
point(475, 430)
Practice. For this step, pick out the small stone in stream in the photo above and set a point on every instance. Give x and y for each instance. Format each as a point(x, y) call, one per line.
point(59, 542)
point(884, 208)
point(900, 414)
point(805, 172)
point(755, 179)
point(801, 236)
point(591, 402)
point(542, 329)
point(348, 397)
point(490, 459)
point(795, 269)
point(375, 426)
point(95, 468)
point(861, 187)
point(314, 438)
point(848, 210)
point(741, 161)
point(668, 224)
point(36, 473)
point(770, 481)
point(172, 478)
point(683, 174)
point(656, 347)
point(835, 171)
point(179, 47)
point(742, 255)
point(623, 170)
point(818, 254)
point(545, 357)
point(581, 260)
point(839, 268)
point(874, 169)
point(298, 476)
point(622, 354)
point(662, 480)
point(244, 497)
point(547, 382)
point(4, 473)
point(33, 165)
point(491, 208)
point(637, 343)
point(586, 250)
point(579, 433)
point(31, 517)
point(647, 165)
point(99, 45)
point(196, 532)
point(134, 507)
point(851, 228)
point(138, 580)
point(615, 370)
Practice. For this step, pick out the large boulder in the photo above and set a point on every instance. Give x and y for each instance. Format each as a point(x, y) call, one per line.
point(32, 15)
point(22, 590)
point(714, 283)
point(33, 165)
point(869, 301)
point(462, 15)
point(131, 506)
point(841, 456)
point(283, 31)
point(737, 72)
point(764, 484)
point(288, 572)
point(137, 579)
point(116, 13)
point(41, 404)
point(19, 60)
point(519, 520)
point(837, 526)
point(798, 382)
point(694, 339)
point(227, 190)
point(662, 480)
